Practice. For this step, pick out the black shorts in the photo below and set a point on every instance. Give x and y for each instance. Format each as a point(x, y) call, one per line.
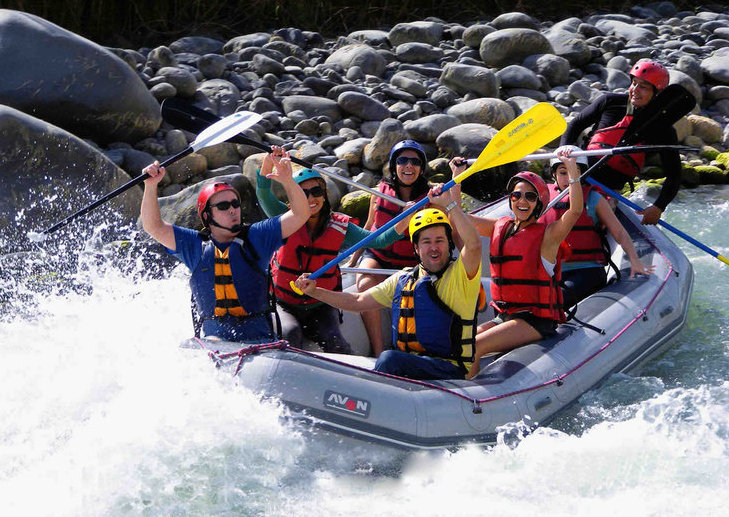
point(546, 327)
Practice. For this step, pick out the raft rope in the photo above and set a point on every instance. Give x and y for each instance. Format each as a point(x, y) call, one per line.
point(283, 345)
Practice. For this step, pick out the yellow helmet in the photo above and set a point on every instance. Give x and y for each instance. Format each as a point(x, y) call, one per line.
point(428, 217)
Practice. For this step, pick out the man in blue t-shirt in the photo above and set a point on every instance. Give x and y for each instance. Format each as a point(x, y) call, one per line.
point(228, 261)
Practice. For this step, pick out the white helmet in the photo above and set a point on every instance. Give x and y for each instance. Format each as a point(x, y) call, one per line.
point(581, 160)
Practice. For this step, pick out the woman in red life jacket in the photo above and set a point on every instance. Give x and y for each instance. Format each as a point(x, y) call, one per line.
point(609, 116)
point(525, 264)
point(407, 165)
point(583, 268)
point(321, 239)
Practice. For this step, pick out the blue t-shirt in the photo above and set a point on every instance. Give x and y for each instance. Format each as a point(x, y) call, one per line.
point(265, 238)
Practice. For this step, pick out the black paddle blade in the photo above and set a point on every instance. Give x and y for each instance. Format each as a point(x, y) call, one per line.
point(665, 110)
point(189, 117)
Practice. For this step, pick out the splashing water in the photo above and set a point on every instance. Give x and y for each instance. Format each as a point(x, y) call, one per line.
point(103, 414)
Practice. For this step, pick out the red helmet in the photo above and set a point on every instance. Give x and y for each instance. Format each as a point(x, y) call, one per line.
point(209, 191)
point(536, 181)
point(651, 71)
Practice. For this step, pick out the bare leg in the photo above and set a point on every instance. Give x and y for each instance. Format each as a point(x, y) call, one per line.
point(501, 338)
point(371, 319)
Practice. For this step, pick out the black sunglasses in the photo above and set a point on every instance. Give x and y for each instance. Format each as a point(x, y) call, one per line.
point(316, 191)
point(402, 161)
point(225, 205)
point(529, 196)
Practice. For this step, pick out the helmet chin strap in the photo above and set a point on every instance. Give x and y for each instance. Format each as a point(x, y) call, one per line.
point(236, 228)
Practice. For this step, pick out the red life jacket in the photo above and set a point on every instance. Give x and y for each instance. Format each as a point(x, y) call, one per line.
point(300, 254)
point(586, 240)
point(608, 137)
point(519, 281)
point(400, 253)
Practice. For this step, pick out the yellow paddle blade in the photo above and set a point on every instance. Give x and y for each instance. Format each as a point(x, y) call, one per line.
point(534, 128)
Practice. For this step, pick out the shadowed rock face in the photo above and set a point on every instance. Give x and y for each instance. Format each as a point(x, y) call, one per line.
point(46, 174)
point(72, 82)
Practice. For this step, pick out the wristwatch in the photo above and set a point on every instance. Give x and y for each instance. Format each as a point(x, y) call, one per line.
point(451, 206)
point(576, 180)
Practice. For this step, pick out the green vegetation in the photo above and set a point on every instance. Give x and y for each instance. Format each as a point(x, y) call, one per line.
point(131, 23)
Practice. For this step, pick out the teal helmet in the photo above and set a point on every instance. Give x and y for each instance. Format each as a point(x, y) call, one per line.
point(302, 175)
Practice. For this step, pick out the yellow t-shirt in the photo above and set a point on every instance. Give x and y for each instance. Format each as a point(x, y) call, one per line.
point(455, 289)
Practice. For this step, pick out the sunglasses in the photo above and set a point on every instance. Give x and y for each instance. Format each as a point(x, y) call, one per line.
point(316, 191)
point(402, 161)
point(225, 205)
point(529, 196)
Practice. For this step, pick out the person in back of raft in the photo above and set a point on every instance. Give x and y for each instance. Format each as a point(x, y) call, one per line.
point(583, 267)
point(407, 162)
point(610, 115)
point(229, 261)
point(525, 264)
point(433, 304)
point(320, 240)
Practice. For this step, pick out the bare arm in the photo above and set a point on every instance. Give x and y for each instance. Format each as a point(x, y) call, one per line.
point(152, 222)
point(347, 301)
point(607, 217)
point(298, 214)
point(558, 230)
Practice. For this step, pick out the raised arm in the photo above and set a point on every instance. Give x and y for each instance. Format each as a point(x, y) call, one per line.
point(152, 222)
point(298, 212)
point(347, 301)
point(558, 230)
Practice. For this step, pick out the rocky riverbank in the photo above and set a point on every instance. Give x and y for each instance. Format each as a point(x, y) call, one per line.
point(340, 103)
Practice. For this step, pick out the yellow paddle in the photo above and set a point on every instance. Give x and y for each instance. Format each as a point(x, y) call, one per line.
point(536, 127)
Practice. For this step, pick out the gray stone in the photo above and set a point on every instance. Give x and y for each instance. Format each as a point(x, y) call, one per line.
point(220, 155)
point(175, 141)
point(422, 32)
point(570, 46)
point(161, 57)
point(416, 52)
point(364, 56)
point(413, 86)
point(716, 67)
point(465, 140)
point(371, 37)
point(376, 152)
point(265, 65)
point(181, 79)
point(363, 106)
point(554, 69)
point(705, 128)
point(187, 167)
point(311, 107)
point(517, 76)
point(624, 30)
point(72, 82)
point(197, 45)
point(520, 104)
point(239, 43)
point(310, 152)
point(427, 129)
point(678, 77)
point(212, 66)
point(223, 95)
point(468, 78)
point(162, 91)
point(515, 20)
point(444, 97)
point(473, 35)
point(617, 79)
point(352, 150)
point(511, 46)
point(492, 112)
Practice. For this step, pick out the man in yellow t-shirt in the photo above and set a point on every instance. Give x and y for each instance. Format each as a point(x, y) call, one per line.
point(429, 301)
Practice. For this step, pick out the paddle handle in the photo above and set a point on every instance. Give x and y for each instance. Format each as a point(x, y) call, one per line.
point(630, 149)
point(661, 222)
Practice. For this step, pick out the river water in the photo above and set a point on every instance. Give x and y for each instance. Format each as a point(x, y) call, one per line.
point(102, 414)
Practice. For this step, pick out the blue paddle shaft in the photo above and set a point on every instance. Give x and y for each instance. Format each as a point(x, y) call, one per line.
point(667, 226)
point(364, 242)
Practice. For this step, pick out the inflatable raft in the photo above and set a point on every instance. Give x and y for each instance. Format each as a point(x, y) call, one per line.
point(634, 320)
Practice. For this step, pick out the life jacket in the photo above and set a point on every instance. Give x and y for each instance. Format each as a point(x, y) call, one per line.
point(300, 254)
point(400, 253)
point(628, 164)
point(519, 281)
point(423, 324)
point(586, 241)
point(230, 294)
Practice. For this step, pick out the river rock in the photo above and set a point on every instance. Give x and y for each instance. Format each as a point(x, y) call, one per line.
point(72, 82)
point(427, 129)
point(490, 112)
point(624, 30)
point(257, 39)
point(553, 68)
point(705, 128)
point(717, 68)
point(421, 32)
point(515, 20)
point(569, 45)
point(356, 204)
point(361, 55)
point(352, 150)
point(416, 52)
point(312, 107)
point(370, 37)
point(223, 95)
point(511, 46)
point(197, 45)
point(212, 66)
point(678, 77)
point(377, 151)
point(473, 35)
point(468, 78)
point(46, 174)
point(183, 80)
point(363, 106)
point(517, 76)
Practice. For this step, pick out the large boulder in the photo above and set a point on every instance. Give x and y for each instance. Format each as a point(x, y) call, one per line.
point(361, 55)
point(58, 76)
point(491, 112)
point(421, 32)
point(469, 78)
point(46, 174)
point(312, 106)
point(511, 46)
